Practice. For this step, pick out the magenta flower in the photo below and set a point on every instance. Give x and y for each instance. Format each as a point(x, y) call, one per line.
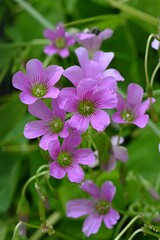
point(67, 158)
point(132, 110)
point(155, 44)
point(94, 68)
point(87, 102)
point(117, 152)
point(92, 42)
point(51, 125)
point(98, 208)
point(37, 82)
point(60, 41)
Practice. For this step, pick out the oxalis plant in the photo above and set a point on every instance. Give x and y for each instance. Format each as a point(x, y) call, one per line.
point(83, 117)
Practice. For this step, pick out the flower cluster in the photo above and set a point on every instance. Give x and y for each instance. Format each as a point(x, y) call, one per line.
point(93, 92)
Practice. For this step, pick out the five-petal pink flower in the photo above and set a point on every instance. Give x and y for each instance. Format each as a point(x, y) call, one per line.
point(98, 209)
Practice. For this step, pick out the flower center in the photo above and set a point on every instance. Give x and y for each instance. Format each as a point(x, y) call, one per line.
point(102, 207)
point(86, 108)
point(64, 159)
point(127, 116)
point(56, 125)
point(60, 42)
point(39, 90)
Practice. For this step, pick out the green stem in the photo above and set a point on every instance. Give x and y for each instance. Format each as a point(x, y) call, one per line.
point(126, 228)
point(146, 60)
point(135, 233)
point(34, 13)
point(15, 231)
point(32, 179)
point(134, 12)
point(120, 224)
point(154, 73)
point(25, 44)
point(146, 231)
point(154, 127)
point(154, 93)
point(31, 225)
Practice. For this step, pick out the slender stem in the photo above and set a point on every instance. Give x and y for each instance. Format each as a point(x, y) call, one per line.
point(126, 228)
point(146, 60)
point(134, 12)
point(25, 44)
point(154, 93)
point(34, 13)
point(120, 224)
point(154, 73)
point(47, 60)
point(32, 179)
point(146, 231)
point(31, 225)
point(135, 233)
point(15, 230)
point(154, 127)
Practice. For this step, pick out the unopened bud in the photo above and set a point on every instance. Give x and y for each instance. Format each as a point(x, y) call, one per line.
point(23, 209)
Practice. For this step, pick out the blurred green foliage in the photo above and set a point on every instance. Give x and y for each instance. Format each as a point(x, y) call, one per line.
point(20, 158)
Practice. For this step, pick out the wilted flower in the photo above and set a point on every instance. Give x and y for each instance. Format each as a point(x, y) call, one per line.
point(37, 82)
point(60, 41)
point(51, 125)
point(132, 110)
point(98, 209)
point(67, 158)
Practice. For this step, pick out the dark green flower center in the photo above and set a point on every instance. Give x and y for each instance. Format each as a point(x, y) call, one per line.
point(102, 207)
point(64, 159)
point(60, 42)
point(127, 116)
point(86, 108)
point(56, 125)
point(39, 90)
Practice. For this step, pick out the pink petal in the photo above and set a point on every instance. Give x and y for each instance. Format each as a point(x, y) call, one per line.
point(107, 33)
point(63, 52)
point(50, 34)
point(52, 74)
point(93, 70)
point(82, 55)
point(46, 139)
point(79, 123)
point(116, 117)
point(120, 153)
point(113, 73)
point(91, 188)
point(27, 98)
point(35, 129)
point(20, 81)
point(75, 173)
point(121, 106)
point(79, 207)
point(134, 96)
point(40, 110)
point(74, 74)
point(92, 224)
point(105, 99)
point(155, 44)
point(144, 106)
point(110, 165)
point(71, 142)
point(57, 171)
point(67, 99)
point(111, 218)
point(50, 50)
point(108, 191)
point(65, 131)
point(69, 39)
point(84, 156)
point(54, 149)
point(35, 71)
point(141, 121)
point(100, 120)
point(52, 92)
point(57, 111)
point(85, 89)
point(103, 58)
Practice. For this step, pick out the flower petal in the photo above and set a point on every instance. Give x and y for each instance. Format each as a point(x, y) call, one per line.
point(75, 173)
point(27, 98)
point(65, 131)
point(79, 123)
point(134, 96)
point(92, 224)
point(74, 74)
point(113, 73)
point(120, 153)
point(67, 99)
point(107, 33)
point(141, 121)
point(79, 207)
point(56, 170)
point(57, 111)
point(52, 74)
point(35, 129)
point(20, 81)
point(71, 142)
point(144, 106)
point(108, 191)
point(82, 55)
point(35, 71)
point(49, 33)
point(111, 218)
point(63, 52)
point(84, 156)
point(85, 89)
point(116, 117)
point(50, 50)
point(54, 149)
point(100, 120)
point(46, 139)
point(91, 188)
point(40, 110)
point(103, 58)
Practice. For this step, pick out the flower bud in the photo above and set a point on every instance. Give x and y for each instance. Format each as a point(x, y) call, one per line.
point(23, 209)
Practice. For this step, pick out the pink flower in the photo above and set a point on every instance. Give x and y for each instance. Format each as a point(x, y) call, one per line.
point(60, 41)
point(67, 158)
point(155, 44)
point(132, 110)
point(87, 102)
point(37, 82)
point(98, 208)
point(92, 42)
point(51, 125)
